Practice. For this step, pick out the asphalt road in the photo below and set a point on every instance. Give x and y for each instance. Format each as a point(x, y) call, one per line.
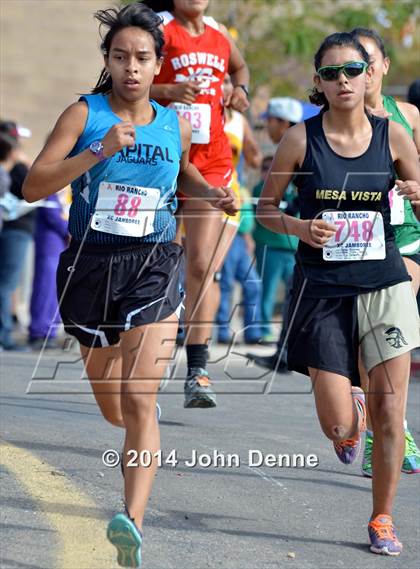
point(57, 496)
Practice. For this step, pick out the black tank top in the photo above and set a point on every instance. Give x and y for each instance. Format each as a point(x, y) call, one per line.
point(328, 181)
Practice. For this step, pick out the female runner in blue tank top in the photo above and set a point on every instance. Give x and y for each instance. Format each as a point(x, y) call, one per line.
point(119, 281)
point(351, 289)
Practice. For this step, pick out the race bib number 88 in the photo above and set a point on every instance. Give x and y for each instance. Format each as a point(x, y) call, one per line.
point(126, 210)
point(359, 236)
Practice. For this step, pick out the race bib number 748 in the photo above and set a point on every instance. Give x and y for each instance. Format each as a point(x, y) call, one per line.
point(359, 236)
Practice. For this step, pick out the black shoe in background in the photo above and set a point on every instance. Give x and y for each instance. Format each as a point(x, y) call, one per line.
point(270, 362)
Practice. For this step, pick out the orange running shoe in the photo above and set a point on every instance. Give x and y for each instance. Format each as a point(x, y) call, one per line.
point(382, 536)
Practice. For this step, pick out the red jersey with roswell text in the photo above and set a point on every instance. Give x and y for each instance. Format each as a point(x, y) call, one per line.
point(203, 59)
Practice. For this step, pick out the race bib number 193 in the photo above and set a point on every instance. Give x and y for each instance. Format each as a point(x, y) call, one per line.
point(198, 115)
point(359, 236)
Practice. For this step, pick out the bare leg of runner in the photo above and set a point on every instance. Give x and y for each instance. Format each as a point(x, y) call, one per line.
point(412, 454)
point(388, 392)
point(104, 368)
point(334, 404)
point(145, 350)
point(208, 238)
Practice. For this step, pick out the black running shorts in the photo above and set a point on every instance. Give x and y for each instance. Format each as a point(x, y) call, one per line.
point(323, 335)
point(106, 290)
point(327, 333)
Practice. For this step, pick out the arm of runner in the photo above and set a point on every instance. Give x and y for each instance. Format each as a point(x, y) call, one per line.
point(52, 170)
point(252, 153)
point(185, 92)
point(413, 116)
point(239, 73)
point(192, 183)
point(404, 154)
point(289, 156)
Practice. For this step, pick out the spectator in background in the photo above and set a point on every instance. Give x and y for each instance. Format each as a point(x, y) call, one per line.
point(239, 132)
point(238, 263)
point(7, 159)
point(50, 237)
point(238, 266)
point(275, 252)
point(282, 113)
point(15, 238)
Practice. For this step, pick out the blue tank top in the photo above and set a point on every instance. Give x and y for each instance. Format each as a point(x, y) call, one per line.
point(153, 162)
point(328, 181)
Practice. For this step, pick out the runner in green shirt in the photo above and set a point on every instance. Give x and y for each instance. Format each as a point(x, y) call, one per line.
point(406, 225)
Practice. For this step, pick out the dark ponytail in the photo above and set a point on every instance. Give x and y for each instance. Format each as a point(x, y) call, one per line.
point(339, 39)
point(318, 98)
point(371, 34)
point(133, 15)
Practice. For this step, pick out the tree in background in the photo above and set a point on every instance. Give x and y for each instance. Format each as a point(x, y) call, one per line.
point(279, 38)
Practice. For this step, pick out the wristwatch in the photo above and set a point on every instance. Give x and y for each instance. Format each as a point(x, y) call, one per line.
point(97, 148)
point(244, 88)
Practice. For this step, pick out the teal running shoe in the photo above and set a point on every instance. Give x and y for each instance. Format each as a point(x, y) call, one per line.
point(411, 463)
point(367, 456)
point(124, 535)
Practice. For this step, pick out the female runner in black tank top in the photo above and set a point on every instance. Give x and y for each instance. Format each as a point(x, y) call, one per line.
point(349, 275)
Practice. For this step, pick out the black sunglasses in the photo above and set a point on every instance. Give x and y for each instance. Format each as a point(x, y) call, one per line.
point(350, 69)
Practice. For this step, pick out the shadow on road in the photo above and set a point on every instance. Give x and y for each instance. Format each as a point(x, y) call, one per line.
point(57, 508)
point(26, 405)
point(298, 539)
point(12, 564)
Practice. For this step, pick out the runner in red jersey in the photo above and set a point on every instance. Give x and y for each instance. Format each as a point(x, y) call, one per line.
point(199, 52)
point(203, 61)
